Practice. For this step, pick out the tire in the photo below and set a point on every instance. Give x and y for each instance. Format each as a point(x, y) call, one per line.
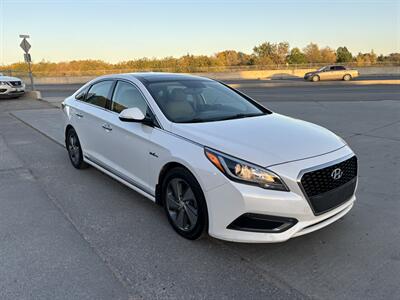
point(74, 149)
point(315, 78)
point(187, 211)
point(347, 77)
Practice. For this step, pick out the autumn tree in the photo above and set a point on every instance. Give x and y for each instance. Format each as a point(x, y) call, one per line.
point(366, 59)
point(231, 58)
point(392, 57)
point(328, 55)
point(312, 53)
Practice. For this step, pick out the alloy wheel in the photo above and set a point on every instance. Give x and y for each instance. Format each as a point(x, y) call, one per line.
point(74, 148)
point(181, 204)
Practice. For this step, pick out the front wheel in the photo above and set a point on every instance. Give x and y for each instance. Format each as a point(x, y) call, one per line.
point(315, 78)
point(184, 203)
point(74, 149)
point(347, 77)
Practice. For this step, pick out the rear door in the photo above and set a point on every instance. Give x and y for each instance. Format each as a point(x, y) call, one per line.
point(339, 72)
point(90, 114)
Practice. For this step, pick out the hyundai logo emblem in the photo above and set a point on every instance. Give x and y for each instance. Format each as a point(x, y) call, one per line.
point(337, 174)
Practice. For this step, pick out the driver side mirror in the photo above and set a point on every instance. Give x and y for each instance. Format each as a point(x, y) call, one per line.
point(134, 114)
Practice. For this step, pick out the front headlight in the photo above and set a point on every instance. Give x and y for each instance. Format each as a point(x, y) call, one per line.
point(241, 171)
point(4, 83)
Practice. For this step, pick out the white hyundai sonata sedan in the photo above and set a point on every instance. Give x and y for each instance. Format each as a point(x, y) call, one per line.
point(216, 160)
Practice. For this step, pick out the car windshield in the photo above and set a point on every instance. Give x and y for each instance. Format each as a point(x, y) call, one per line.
point(194, 101)
point(321, 69)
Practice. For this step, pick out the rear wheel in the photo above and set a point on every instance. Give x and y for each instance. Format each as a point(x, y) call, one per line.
point(74, 149)
point(315, 78)
point(347, 77)
point(184, 203)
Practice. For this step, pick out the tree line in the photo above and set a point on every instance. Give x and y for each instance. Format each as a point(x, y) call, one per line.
point(265, 55)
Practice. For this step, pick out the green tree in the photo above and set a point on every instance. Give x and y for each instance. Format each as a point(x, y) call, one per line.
point(343, 55)
point(270, 53)
point(264, 53)
point(296, 57)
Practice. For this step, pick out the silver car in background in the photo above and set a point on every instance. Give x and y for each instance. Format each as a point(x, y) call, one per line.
point(11, 87)
point(334, 72)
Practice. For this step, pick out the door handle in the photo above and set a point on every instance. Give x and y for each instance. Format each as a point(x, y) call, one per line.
point(107, 127)
point(79, 115)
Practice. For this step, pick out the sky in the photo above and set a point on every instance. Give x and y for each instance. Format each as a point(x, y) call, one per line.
point(123, 30)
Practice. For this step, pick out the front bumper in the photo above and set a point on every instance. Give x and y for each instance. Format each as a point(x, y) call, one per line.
point(231, 200)
point(308, 76)
point(11, 91)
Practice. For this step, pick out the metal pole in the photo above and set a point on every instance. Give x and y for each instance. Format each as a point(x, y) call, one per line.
point(30, 76)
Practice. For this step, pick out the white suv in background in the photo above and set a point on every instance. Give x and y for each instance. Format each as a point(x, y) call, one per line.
point(216, 160)
point(11, 87)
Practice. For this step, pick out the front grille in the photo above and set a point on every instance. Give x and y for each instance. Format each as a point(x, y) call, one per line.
point(323, 191)
point(16, 83)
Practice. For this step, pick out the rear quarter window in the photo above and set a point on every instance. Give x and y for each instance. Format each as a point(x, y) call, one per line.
point(99, 94)
point(82, 94)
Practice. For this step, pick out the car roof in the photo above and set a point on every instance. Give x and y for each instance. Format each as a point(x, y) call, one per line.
point(149, 77)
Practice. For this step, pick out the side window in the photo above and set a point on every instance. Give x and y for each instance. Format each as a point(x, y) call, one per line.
point(82, 94)
point(333, 68)
point(127, 95)
point(340, 68)
point(99, 93)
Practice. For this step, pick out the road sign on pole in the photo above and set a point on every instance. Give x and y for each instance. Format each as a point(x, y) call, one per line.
point(25, 45)
point(27, 57)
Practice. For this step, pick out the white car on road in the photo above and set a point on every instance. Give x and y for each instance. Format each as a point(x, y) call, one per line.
point(216, 160)
point(11, 87)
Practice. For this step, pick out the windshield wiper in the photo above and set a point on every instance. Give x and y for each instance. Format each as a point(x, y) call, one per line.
point(237, 116)
point(195, 120)
point(240, 116)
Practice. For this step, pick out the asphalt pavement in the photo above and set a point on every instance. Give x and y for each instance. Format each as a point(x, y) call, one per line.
point(70, 234)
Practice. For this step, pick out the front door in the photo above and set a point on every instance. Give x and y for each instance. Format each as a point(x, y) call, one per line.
point(128, 144)
point(327, 74)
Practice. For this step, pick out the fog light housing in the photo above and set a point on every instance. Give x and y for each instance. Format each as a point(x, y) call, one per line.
point(262, 223)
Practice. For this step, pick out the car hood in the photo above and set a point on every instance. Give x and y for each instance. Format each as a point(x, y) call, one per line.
point(265, 140)
point(310, 73)
point(8, 78)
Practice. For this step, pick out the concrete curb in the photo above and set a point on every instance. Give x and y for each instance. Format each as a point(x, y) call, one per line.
point(36, 95)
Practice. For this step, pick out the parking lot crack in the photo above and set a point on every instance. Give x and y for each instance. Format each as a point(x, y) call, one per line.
point(268, 277)
point(123, 280)
point(384, 126)
point(24, 171)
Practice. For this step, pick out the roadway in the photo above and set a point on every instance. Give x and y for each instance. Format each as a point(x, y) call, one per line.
point(70, 234)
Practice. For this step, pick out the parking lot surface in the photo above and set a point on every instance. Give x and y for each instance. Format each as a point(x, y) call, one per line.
point(66, 233)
